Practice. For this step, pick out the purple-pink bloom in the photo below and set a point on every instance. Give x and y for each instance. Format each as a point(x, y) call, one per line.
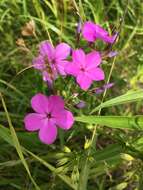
point(50, 114)
point(85, 68)
point(79, 27)
point(81, 104)
point(112, 54)
point(92, 31)
point(51, 61)
point(103, 88)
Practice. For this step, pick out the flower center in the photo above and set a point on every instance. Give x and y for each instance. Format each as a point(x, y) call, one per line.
point(49, 115)
point(49, 68)
point(53, 61)
point(82, 69)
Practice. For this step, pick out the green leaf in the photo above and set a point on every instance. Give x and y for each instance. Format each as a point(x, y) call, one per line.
point(108, 152)
point(17, 144)
point(5, 135)
point(65, 178)
point(13, 88)
point(120, 186)
point(123, 99)
point(122, 122)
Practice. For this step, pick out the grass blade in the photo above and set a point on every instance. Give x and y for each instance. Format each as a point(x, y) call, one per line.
point(6, 135)
point(121, 122)
point(17, 144)
point(123, 99)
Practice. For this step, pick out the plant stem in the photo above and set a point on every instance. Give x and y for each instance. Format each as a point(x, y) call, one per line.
point(84, 175)
point(86, 168)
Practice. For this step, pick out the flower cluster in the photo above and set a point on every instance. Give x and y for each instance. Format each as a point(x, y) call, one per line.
point(63, 60)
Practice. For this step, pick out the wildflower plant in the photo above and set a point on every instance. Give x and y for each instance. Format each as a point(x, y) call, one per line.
point(84, 66)
point(63, 60)
point(65, 118)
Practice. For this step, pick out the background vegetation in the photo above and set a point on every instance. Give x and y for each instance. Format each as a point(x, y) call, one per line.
point(117, 157)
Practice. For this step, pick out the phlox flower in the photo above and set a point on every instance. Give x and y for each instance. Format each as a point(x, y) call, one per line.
point(51, 61)
point(85, 68)
point(92, 31)
point(50, 114)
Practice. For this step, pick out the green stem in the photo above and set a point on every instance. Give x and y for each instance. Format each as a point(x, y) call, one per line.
point(86, 167)
point(84, 175)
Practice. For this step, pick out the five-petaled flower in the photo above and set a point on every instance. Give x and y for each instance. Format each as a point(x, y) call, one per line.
point(51, 61)
point(50, 114)
point(85, 68)
point(92, 31)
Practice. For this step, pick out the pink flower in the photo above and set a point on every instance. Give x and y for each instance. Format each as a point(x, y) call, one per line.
point(51, 61)
point(92, 31)
point(85, 68)
point(50, 113)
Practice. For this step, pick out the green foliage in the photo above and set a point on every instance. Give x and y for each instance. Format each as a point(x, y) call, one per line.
point(113, 157)
point(121, 122)
point(126, 98)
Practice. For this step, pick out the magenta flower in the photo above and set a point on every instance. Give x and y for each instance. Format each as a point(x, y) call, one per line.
point(92, 31)
point(85, 68)
point(50, 114)
point(51, 61)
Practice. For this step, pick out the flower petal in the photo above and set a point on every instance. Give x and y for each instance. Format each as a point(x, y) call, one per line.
point(104, 35)
point(61, 64)
point(108, 39)
point(78, 57)
point(71, 68)
point(96, 74)
point(84, 81)
point(56, 103)
point(64, 119)
point(62, 51)
point(33, 121)
point(46, 77)
point(46, 49)
point(100, 32)
point(93, 59)
point(88, 31)
point(48, 133)
point(39, 103)
point(38, 63)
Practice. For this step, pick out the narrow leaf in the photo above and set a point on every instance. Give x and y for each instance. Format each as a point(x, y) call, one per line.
point(17, 144)
point(5, 135)
point(123, 99)
point(122, 122)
